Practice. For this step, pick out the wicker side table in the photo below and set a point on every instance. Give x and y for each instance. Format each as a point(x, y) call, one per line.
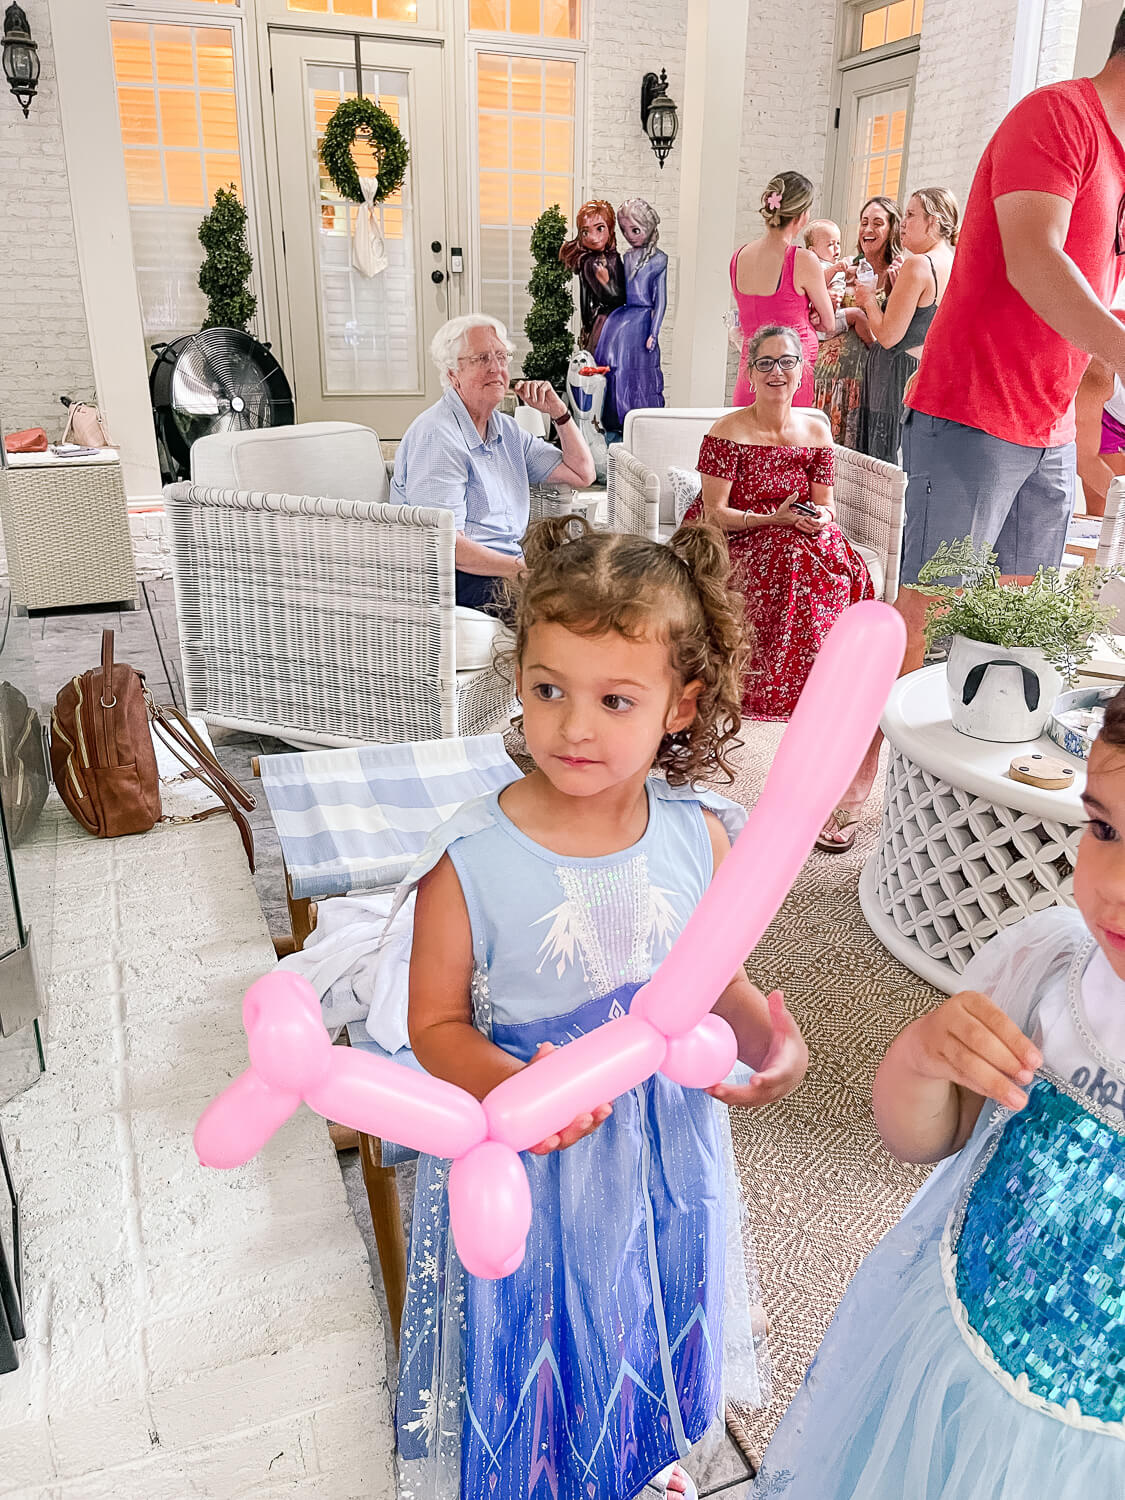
point(66, 532)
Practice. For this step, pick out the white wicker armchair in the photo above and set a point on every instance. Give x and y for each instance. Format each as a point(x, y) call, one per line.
point(870, 494)
point(327, 622)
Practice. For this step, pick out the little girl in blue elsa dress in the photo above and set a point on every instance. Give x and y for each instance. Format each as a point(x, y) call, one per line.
point(540, 911)
point(979, 1353)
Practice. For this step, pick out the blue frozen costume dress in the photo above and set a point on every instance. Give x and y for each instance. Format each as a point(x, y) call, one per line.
point(979, 1353)
point(635, 377)
point(606, 1355)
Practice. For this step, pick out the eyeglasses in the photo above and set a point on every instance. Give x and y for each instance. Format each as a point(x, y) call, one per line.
point(482, 361)
point(782, 361)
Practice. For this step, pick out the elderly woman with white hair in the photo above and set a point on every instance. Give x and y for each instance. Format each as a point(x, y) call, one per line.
point(466, 455)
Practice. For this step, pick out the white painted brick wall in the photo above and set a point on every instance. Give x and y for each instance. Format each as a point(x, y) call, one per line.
point(190, 1332)
point(629, 38)
point(44, 346)
point(1060, 40)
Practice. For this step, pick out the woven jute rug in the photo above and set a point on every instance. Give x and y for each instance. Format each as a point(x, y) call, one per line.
point(818, 1185)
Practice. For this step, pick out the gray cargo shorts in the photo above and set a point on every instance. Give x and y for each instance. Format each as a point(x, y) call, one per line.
point(964, 482)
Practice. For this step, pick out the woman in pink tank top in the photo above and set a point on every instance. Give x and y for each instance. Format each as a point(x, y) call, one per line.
point(800, 286)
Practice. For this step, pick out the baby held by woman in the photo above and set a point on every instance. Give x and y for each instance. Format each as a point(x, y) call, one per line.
point(822, 237)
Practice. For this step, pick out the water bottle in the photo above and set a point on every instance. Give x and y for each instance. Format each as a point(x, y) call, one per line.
point(865, 274)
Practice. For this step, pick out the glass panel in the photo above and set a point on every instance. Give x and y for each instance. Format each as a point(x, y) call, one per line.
point(368, 325)
point(900, 20)
point(184, 172)
point(179, 121)
point(223, 170)
point(215, 59)
point(874, 29)
point(527, 146)
point(144, 179)
point(488, 15)
point(894, 169)
point(356, 8)
point(527, 85)
point(558, 190)
point(132, 52)
point(561, 18)
point(492, 142)
point(495, 254)
point(918, 15)
point(559, 88)
point(398, 10)
point(898, 129)
point(527, 199)
point(493, 198)
point(137, 108)
point(220, 122)
point(173, 54)
point(524, 17)
point(560, 145)
point(492, 82)
point(321, 6)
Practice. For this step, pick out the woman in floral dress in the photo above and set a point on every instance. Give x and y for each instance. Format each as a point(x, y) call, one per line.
point(794, 567)
point(838, 379)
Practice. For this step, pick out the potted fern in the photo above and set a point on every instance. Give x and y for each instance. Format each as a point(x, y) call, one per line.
point(1014, 645)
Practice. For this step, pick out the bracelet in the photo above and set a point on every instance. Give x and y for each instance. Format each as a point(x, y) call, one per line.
point(563, 420)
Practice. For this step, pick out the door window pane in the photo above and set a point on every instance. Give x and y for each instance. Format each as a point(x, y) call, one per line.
point(368, 324)
point(529, 101)
point(179, 117)
point(550, 18)
point(879, 144)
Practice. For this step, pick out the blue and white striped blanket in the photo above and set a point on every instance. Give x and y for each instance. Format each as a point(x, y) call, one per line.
point(356, 819)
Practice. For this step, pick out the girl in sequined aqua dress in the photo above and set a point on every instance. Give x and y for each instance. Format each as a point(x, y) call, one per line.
point(540, 911)
point(979, 1353)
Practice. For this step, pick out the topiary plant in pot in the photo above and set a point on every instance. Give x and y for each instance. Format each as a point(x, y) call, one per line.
point(547, 325)
point(1041, 632)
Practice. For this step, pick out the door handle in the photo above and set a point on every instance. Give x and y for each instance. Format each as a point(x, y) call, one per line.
point(435, 246)
point(437, 277)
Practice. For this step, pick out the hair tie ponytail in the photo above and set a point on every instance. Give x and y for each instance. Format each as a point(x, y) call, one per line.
point(551, 533)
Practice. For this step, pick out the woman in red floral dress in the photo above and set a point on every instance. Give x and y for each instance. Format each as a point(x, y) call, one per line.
point(796, 571)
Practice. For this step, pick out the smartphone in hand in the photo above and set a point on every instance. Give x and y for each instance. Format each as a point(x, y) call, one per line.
point(806, 509)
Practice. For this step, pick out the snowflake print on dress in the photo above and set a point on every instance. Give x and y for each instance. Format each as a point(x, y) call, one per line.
point(612, 922)
point(795, 586)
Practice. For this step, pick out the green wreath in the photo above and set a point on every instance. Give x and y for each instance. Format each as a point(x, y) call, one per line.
point(388, 147)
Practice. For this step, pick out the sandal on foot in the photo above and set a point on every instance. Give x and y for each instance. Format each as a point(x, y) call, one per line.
point(659, 1482)
point(841, 820)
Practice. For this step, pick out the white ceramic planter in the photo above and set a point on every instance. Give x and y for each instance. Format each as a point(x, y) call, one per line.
point(1000, 692)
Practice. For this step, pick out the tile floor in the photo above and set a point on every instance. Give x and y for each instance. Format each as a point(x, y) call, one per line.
point(66, 642)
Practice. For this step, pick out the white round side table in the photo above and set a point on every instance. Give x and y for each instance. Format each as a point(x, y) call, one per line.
point(963, 850)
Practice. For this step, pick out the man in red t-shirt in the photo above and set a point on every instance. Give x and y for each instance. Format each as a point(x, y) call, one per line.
point(988, 441)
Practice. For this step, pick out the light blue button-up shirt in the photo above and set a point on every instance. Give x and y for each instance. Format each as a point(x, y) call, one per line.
point(443, 460)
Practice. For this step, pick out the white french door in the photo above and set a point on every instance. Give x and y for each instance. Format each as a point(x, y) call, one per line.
point(873, 139)
point(360, 345)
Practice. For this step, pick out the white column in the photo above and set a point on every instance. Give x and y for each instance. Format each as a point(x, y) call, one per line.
point(99, 202)
point(1025, 52)
point(711, 134)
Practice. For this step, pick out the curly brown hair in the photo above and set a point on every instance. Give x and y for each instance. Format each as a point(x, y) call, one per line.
point(1113, 729)
point(594, 582)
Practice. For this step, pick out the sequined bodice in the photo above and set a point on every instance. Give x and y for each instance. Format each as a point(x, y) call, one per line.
point(1039, 1247)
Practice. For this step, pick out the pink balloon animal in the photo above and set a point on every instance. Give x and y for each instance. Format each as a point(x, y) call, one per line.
point(669, 1028)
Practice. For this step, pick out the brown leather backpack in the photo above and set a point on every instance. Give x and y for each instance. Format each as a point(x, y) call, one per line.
point(102, 756)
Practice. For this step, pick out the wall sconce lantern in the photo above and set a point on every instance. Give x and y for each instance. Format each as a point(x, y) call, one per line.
point(658, 114)
point(20, 57)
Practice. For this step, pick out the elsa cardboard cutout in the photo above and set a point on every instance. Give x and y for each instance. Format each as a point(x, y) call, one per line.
point(630, 340)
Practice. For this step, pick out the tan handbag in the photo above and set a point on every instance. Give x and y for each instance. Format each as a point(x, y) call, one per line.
point(103, 761)
point(84, 426)
point(30, 440)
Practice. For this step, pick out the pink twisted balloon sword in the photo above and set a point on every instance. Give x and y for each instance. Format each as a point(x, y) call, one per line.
point(669, 1028)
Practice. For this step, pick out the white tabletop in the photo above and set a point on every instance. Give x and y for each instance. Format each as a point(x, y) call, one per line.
point(916, 720)
point(52, 460)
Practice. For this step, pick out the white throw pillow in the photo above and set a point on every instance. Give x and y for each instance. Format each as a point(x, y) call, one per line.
point(475, 632)
point(686, 485)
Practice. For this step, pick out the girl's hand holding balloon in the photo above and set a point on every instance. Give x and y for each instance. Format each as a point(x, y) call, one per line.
point(782, 1068)
point(580, 1127)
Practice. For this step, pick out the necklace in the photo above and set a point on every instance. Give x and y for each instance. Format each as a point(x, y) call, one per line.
point(1077, 1009)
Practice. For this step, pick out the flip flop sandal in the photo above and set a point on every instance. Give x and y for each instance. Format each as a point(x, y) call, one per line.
point(659, 1483)
point(842, 819)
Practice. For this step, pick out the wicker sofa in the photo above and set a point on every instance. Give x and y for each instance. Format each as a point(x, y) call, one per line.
point(870, 495)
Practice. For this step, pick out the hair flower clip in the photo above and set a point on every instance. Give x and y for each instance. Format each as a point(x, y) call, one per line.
point(773, 202)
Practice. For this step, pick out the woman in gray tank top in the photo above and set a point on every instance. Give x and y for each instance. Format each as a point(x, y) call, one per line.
point(929, 233)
